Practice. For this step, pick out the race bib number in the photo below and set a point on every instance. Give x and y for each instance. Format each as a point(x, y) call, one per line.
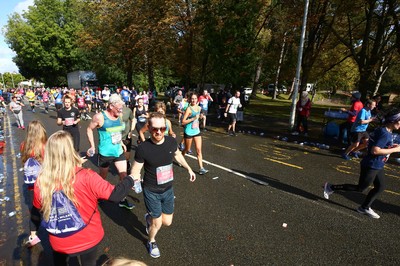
point(142, 119)
point(116, 137)
point(69, 121)
point(195, 124)
point(164, 174)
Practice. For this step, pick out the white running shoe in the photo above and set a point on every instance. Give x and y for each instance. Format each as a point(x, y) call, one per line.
point(370, 212)
point(327, 190)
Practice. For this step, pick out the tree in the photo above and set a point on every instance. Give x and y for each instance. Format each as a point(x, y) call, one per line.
point(44, 39)
point(369, 37)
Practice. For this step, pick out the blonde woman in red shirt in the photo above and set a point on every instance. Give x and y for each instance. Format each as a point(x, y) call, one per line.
point(62, 170)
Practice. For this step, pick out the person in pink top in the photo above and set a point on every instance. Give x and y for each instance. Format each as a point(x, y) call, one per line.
point(303, 108)
point(62, 170)
point(356, 107)
point(204, 100)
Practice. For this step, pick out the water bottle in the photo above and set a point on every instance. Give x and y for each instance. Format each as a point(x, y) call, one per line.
point(138, 186)
point(90, 152)
point(11, 214)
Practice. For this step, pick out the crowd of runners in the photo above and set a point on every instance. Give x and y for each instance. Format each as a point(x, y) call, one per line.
point(116, 116)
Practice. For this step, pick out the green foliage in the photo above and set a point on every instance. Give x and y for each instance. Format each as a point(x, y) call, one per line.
point(11, 79)
point(45, 40)
point(153, 43)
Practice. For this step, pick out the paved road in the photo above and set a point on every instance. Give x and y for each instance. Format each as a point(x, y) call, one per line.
point(234, 215)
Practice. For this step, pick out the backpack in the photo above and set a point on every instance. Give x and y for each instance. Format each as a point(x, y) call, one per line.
point(31, 170)
point(64, 219)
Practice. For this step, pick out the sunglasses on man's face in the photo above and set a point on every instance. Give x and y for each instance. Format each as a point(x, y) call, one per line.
point(156, 129)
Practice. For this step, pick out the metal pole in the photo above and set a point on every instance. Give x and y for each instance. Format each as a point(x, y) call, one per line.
point(298, 69)
point(12, 78)
point(4, 84)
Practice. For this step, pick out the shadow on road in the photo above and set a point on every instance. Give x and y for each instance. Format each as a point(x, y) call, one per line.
point(290, 189)
point(125, 218)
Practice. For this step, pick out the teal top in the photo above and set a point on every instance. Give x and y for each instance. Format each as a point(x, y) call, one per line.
point(166, 133)
point(110, 137)
point(192, 128)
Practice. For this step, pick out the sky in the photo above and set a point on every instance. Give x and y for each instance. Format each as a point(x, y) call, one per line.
point(6, 54)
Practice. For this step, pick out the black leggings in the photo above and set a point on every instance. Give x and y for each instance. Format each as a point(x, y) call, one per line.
point(301, 119)
point(34, 222)
point(87, 257)
point(368, 177)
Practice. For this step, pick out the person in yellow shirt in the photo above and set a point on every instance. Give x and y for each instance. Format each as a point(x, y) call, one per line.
point(30, 95)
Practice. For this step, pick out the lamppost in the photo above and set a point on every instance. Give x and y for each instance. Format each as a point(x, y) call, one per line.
point(12, 78)
point(4, 84)
point(298, 69)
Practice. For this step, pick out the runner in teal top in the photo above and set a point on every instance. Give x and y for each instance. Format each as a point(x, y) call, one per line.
point(109, 125)
point(192, 130)
point(110, 137)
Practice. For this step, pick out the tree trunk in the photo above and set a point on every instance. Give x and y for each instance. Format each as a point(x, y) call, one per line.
point(382, 71)
point(365, 83)
point(257, 78)
point(150, 74)
point(129, 73)
point(189, 51)
point(278, 70)
point(204, 69)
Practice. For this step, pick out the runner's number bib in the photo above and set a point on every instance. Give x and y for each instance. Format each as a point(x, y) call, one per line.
point(164, 174)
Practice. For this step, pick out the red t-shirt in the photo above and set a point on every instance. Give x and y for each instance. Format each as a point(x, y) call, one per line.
point(88, 188)
point(355, 108)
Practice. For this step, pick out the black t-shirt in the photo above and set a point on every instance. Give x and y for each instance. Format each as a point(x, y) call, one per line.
point(69, 116)
point(157, 159)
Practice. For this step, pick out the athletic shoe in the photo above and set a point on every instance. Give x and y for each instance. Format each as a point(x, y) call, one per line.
point(19, 127)
point(370, 212)
point(23, 128)
point(346, 157)
point(356, 154)
point(203, 171)
point(295, 133)
point(189, 152)
point(33, 111)
point(146, 218)
point(181, 146)
point(327, 190)
point(153, 249)
point(32, 241)
point(125, 204)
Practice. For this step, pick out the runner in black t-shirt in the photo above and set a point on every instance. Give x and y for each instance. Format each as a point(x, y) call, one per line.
point(69, 117)
point(156, 155)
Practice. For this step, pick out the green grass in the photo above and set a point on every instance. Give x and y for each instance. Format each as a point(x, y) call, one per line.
point(280, 108)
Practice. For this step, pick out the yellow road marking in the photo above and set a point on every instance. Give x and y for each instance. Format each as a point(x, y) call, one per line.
point(287, 164)
point(222, 146)
point(394, 176)
point(392, 192)
point(17, 195)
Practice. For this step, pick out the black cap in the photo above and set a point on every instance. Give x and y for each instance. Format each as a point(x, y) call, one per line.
point(356, 95)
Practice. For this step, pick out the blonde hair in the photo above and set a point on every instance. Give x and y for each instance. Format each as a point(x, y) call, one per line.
point(36, 138)
point(124, 262)
point(159, 105)
point(58, 170)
